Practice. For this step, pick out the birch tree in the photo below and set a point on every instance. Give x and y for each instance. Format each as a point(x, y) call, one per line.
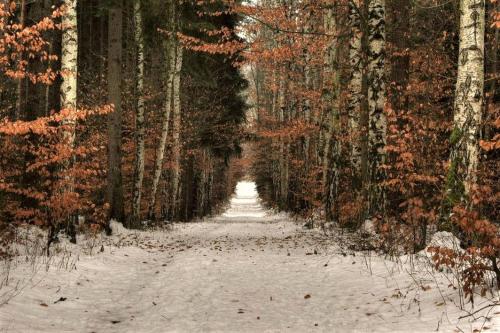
point(468, 104)
point(68, 90)
point(376, 101)
point(355, 85)
point(176, 130)
point(139, 118)
point(170, 59)
point(69, 64)
point(331, 152)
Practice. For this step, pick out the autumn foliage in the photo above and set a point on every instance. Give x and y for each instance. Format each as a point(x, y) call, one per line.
point(37, 184)
point(288, 57)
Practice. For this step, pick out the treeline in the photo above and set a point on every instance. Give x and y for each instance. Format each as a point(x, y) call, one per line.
point(381, 110)
point(105, 114)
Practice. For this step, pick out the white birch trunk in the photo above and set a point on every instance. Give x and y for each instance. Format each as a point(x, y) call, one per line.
point(355, 84)
point(169, 46)
point(176, 131)
point(69, 65)
point(69, 69)
point(139, 119)
point(469, 95)
point(376, 101)
point(68, 93)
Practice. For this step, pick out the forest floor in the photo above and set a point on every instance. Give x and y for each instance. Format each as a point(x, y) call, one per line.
point(248, 270)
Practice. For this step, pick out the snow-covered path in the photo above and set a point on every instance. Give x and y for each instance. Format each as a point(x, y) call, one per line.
point(245, 271)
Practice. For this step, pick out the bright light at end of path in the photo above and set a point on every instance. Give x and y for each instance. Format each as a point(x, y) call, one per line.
point(245, 202)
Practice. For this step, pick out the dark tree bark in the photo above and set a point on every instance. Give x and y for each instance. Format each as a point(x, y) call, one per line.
point(398, 36)
point(114, 186)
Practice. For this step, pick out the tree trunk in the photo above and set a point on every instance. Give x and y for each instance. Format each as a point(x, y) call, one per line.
point(399, 11)
point(68, 89)
point(308, 87)
point(376, 102)
point(21, 85)
point(283, 156)
point(331, 152)
point(275, 114)
point(170, 59)
point(69, 67)
point(494, 92)
point(469, 89)
point(114, 186)
point(139, 118)
point(202, 185)
point(355, 90)
point(47, 6)
point(363, 181)
point(176, 131)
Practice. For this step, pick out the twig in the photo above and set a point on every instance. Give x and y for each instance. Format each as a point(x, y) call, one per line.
point(481, 309)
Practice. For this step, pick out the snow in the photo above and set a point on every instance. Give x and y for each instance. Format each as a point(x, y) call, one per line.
point(248, 270)
point(245, 204)
point(444, 239)
point(368, 227)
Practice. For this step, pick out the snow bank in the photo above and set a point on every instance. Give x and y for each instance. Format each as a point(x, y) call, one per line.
point(369, 227)
point(444, 239)
point(117, 228)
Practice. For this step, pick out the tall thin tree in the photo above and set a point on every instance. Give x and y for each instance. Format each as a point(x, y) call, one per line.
point(176, 131)
point(376, 102)
point(469, 95)
point(114, 178)
point(331, 149)
point(21, 88)
point(139, 117)
point(355, 87)
point(69, 92)
point(169, 46)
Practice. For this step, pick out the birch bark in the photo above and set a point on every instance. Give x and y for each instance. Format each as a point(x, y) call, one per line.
point(69, 65)
point(68, 92)
point(176, 131)
point(469, 95)
point(169, 46)
point(376, 102)
point(355, 84)
point(139, 118)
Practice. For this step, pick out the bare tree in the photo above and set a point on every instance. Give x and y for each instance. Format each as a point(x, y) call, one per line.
point(114, 186)
point(139, 118)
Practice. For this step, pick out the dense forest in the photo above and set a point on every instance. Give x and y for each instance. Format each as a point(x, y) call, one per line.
point(107, 116)
point(381, 111)
point(343, 112)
